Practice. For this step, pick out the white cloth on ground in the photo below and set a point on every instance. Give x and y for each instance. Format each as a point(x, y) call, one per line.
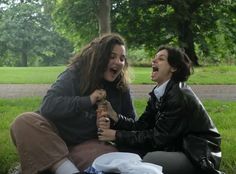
point(124, 163)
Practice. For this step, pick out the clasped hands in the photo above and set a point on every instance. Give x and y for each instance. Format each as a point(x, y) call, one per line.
point(105, 112)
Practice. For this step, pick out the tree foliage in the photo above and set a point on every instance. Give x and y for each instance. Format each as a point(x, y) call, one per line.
point(27, 36)
point(221, 43)
point(205, 29)
point(80, 20)
point(177, 22)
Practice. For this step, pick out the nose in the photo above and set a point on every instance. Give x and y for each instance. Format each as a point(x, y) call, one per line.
point(118, 61)
point(154, 61)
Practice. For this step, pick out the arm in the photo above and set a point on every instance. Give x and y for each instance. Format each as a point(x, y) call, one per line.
point(124, 123)
point(167, 128)
point(62, 98)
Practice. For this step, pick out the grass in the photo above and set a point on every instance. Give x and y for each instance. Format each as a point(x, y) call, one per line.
point(9, 109)
point(217, 75)
point(141, 75)
point(29, 75)
point(222, 112)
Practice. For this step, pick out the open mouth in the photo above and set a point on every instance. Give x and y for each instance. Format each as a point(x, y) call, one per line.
point(113, 71)
point(155, 69)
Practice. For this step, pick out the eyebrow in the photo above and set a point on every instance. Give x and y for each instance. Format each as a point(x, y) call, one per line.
point(117, 54)
point(160, 55)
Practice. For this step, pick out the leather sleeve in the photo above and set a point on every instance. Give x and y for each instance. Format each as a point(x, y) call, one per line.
point(168, 126)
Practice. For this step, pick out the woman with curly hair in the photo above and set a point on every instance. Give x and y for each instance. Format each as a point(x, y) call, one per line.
point(62, 136)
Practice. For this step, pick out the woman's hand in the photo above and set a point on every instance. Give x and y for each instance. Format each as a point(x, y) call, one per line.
point(106, 134)
point(103, 122)
point(111, 113)
point(97, 95)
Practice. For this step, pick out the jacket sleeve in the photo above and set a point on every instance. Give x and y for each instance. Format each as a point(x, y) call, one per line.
point(144, 122)
point(61, 99)
point(155, 129)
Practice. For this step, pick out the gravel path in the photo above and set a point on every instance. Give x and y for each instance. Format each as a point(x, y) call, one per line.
point(219, 92)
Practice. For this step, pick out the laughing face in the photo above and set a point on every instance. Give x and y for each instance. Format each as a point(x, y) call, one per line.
point(116, 63)
point(161, 69)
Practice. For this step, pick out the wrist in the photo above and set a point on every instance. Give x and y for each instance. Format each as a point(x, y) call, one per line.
point(115, 117)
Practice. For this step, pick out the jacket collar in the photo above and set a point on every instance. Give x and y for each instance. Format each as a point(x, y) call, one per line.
point(169, 86)
point(160, 90)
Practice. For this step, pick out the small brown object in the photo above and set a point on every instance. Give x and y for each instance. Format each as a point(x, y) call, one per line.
point(102, 103)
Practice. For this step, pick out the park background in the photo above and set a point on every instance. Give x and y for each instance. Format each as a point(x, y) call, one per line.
point(37, 38)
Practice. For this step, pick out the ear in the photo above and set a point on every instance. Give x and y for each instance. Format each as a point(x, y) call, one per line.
point(173, 69)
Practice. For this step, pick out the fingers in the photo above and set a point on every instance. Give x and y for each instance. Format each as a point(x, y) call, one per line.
point(97, 95)
point(103, 122)
point(101, 113)
point(111, 113)
point(106, 134)
point(101, 137)
point(100, 131)
point(101, 94)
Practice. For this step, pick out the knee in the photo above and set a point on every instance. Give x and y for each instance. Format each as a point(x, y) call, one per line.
point(21, 124)
point(20, 121)
point(148, 157)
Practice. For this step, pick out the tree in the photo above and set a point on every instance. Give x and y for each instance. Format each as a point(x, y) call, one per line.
point(223, 42)
point(26, 32)
point(81, 21)
point(103, 15)
point(155, 22)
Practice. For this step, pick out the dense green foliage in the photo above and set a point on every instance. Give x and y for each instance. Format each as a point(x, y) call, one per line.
point(76, 20)
point(201, 27)
point(222, 113)
point(32, 31)
point(27, 37)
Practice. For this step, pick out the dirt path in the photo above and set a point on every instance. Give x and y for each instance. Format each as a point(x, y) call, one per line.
point(219, 92)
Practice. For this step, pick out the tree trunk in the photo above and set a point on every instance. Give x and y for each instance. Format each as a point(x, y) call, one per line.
point(104, 20)
point(24, 59)
point(186, 41)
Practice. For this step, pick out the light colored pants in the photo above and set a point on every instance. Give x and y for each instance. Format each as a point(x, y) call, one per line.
point(40, 147)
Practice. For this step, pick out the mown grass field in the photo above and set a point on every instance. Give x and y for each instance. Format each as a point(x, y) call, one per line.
point(139, 75)
point(222, 113)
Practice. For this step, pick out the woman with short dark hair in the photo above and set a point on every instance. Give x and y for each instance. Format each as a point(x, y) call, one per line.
point(174, 131)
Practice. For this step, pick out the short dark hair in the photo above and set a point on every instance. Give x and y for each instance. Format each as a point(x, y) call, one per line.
point(179, 60)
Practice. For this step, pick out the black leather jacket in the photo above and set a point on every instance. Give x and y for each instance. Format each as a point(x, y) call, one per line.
point(178, 122)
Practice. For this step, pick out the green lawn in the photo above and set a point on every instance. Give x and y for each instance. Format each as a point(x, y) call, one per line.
point(222, 112)
point(29, 75)
point(140, 75)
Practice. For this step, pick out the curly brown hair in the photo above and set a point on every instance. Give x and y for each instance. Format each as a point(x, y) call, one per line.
point(92, 61)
